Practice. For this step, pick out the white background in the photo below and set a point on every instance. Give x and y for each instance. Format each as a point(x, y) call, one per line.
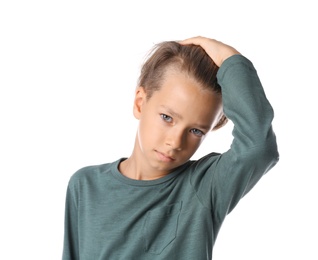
point(68, 70)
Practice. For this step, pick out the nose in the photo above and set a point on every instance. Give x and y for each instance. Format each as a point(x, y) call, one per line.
point(175, 139)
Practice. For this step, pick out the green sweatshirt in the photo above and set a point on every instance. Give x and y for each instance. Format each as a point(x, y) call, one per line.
point(111, 217)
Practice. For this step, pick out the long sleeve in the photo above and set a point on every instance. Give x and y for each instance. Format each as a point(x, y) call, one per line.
point(70, 249)
point(178, 216)
point(254, 150)
point(222, 180)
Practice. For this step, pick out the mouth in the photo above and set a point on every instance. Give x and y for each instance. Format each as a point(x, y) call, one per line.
point(164, 157)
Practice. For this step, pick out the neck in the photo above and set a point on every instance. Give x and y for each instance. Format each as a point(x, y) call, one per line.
point(131, 169)
point(137, 168)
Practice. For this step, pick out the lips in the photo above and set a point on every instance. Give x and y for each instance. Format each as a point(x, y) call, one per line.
point(164, 157)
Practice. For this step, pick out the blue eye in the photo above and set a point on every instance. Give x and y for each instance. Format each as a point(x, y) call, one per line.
point(197, 132)
point(166, 118)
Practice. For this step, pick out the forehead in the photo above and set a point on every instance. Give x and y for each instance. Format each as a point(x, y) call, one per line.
point(183, 95)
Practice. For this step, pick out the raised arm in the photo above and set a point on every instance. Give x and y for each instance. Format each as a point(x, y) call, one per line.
point(253, 150)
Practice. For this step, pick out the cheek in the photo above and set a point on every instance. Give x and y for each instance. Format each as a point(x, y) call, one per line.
point(195, 143)
point(149, 133)
point(189, 149)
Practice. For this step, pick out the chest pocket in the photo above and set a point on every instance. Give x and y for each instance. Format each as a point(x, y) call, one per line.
point(160, 227)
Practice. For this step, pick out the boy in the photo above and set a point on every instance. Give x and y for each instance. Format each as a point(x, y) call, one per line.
point(158, 204)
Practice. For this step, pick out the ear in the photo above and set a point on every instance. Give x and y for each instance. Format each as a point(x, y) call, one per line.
point(140, 99)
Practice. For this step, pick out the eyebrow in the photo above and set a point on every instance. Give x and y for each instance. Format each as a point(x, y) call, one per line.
point(175, 114)
point(171, 112)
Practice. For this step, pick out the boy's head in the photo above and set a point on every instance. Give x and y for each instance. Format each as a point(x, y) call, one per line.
point(177, 102)
point(189, 59)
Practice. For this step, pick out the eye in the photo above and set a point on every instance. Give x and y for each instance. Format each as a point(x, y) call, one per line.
point(197, 132)
point(166, 118)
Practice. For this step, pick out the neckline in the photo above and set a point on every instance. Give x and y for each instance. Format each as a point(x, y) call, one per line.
point(119, 176)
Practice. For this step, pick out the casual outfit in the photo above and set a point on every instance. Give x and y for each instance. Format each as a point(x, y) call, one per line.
point(111, 217)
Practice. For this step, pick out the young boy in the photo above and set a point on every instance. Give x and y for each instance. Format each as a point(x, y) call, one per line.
point(159, 204)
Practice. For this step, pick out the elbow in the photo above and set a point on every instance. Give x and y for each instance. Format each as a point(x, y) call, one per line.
point(273, 155)
point(265, 155)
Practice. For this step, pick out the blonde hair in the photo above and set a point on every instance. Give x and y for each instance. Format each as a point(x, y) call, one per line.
point(191, 59)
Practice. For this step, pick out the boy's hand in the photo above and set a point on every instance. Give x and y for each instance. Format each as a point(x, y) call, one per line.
point(217, 51)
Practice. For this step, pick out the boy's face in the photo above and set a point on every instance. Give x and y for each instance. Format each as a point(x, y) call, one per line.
point(173, 122)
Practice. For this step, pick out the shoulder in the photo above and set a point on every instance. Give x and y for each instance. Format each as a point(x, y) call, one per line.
point(205, 161)
point(90, 173)
point(198, 168)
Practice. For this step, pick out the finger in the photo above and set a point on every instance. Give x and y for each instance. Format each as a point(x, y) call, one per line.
point(193, 40)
